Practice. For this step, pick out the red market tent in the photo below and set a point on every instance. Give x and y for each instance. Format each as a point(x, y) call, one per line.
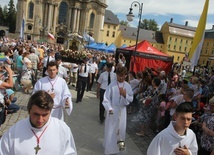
point(146, 56)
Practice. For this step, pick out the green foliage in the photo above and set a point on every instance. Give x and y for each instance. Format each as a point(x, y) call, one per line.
point(8, 16)
point(150, 24)
point(125, 23)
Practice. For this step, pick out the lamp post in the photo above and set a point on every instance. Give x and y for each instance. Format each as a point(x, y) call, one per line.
point(129, 17)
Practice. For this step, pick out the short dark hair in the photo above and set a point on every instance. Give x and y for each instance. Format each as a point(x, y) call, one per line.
point(156, 81)
point(121, 70)
point(52, 63)
point(41, 99)
point(185, 107)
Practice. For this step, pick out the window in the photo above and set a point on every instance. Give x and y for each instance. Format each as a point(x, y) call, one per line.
point(179, 48)
point(169, 46)
point(178, 58)
point(181, 40)
point(130, 41)
point(107, 34)
point(124, 41)
point(170, 38)
point(205, 51)
point(176, 39)
point(30, 10)
point(113, 34)
point(174, 47)
point(63, 8)
point(207, 44)
point(212, 51)
point(109, 26)
point(186, 41)
point(29, 27)
point(185, 49)
point(114, 27)
point(92, 17)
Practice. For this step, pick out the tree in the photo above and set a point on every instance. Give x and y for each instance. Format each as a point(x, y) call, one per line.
point(11, 18)
point(125, 23)
point(150, 24)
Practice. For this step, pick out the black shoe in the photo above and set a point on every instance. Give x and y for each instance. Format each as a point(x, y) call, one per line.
point(102, 121)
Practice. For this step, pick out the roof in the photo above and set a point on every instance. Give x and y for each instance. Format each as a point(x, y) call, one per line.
point(181, 26)
point(209, 34)
point(146, 50)
point(149, 35)
point(111, 18)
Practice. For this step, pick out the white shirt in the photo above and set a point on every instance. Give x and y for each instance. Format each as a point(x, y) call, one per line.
point(103, 79)
point(62, 71)
point(82, 68)
point(93, 67)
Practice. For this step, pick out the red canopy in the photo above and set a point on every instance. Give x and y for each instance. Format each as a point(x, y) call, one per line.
point(147, 56)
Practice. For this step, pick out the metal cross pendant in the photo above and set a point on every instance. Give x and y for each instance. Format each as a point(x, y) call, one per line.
point(37, 148)
point(52, 89)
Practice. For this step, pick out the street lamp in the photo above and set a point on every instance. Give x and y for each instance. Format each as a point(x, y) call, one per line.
point(130, 17)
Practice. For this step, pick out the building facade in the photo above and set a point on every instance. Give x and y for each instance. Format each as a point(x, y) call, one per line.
point(60, 18)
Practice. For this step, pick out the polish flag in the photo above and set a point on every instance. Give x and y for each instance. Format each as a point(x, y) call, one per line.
point(51, 36)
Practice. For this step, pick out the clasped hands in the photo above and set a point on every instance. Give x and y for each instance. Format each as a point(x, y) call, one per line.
point(182, 151)
point(122, 92)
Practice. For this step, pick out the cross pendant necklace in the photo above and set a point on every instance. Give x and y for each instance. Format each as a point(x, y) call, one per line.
point(52, 84)
point(37, 148)
point(119, 89)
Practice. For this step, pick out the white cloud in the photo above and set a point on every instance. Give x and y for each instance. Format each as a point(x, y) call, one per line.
point(181, 7)
point(189, 10)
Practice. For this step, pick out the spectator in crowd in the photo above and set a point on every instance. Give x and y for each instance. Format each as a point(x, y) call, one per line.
point(3, 87)
point(150, 102)
point(34, 61)
point(207, 136)
point(10, 100)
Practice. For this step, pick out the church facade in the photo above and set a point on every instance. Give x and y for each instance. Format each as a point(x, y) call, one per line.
point(60, 18)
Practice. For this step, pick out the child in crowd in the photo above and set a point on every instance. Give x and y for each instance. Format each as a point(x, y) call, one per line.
point(26, 79)
point(161, 113)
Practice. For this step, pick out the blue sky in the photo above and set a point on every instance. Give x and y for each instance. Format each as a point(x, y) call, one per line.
point(161, 10)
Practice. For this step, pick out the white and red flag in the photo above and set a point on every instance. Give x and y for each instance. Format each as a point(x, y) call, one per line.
point(51, 36)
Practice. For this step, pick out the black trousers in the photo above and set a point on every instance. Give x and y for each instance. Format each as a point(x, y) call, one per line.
point(43, 72)
point(81, 84)
point(90, 85)
point(102, 109)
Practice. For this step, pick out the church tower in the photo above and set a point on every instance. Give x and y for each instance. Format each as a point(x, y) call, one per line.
point(60, 18)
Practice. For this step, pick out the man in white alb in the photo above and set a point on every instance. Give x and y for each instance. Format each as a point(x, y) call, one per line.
point(58, 89)
point(39, 133)
point(177, 138)
point(116, 98)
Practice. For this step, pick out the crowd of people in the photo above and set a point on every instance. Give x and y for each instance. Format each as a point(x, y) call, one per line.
point(165, 102)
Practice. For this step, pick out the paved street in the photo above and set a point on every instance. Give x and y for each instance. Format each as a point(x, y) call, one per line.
point(86, 128)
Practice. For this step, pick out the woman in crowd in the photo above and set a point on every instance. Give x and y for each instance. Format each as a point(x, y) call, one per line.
point(207, 136)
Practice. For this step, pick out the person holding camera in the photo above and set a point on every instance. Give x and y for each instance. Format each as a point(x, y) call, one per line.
point(3, 86)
